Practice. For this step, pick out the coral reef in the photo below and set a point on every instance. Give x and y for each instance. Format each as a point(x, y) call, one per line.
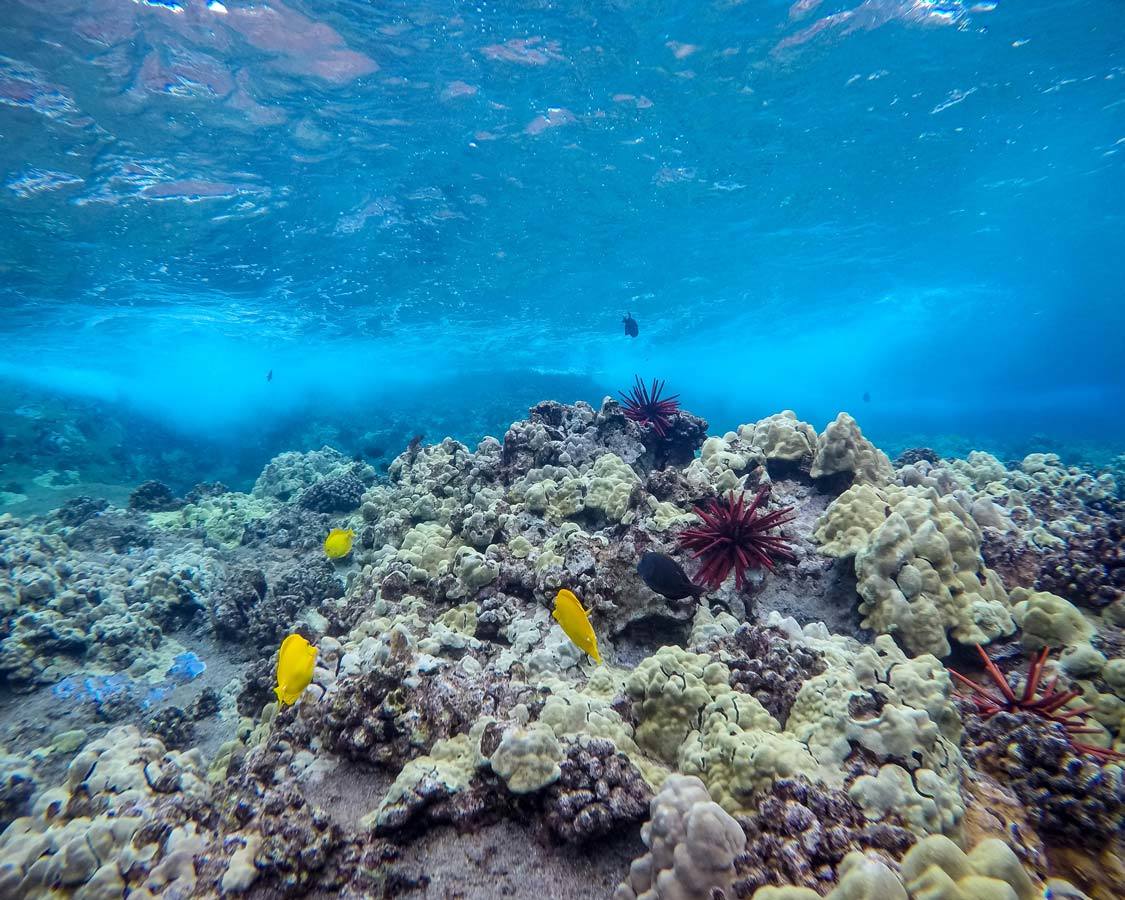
point(154, 496)
point(1045, 701)
point(598, 792)
point(771, 757)
point(801, 833)
point(919, 568)
point(1071, 798)
point(735, 536)
point(692, 846)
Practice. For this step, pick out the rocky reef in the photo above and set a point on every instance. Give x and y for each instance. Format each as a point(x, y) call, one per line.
point(797, 737)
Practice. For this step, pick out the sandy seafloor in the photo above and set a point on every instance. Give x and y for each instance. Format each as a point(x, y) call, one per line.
point(795, 738)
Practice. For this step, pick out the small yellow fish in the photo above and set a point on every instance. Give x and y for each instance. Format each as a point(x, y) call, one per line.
point(575, 622)
point(294, 668)
point(339, 542)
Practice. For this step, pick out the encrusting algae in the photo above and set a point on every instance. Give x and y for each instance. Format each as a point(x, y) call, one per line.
point(295, 663)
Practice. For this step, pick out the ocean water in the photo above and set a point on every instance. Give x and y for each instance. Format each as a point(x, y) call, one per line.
point(258, 258)
point(445, 209)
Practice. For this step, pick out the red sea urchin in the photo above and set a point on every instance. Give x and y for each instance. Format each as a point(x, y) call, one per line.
point(644, 406)
point(1047, 704)
point(733, 536)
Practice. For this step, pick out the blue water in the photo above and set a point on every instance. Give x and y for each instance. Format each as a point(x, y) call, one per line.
point(442, 210)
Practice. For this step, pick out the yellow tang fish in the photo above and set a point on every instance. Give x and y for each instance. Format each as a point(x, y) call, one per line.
point(575, 622)
point(339, 542)
point(294, 668)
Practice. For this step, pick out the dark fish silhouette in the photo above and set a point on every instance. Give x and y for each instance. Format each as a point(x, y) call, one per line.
point(866, 396)
point(665, 576)
point(630, 325)
point(269, 375)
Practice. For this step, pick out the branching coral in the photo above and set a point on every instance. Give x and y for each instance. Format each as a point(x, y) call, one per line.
point(1048, 703)
point(644, 406)
point(734, 536)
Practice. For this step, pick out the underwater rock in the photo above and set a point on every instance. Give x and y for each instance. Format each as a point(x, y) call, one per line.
point(296, 587)
point(800, 833)
point(292, 527)
point(1090, 569)
point(205, 490)
point(598, 792)
point(339, 493)
point(78, 509)
point(234, 605)
point(112, 531)
point(17, 785)
point(288, 474)
point(173, 726)
point(915, 455)
point(1071, 798)
point(205, 705)
point(154, 496)
point(765, 665)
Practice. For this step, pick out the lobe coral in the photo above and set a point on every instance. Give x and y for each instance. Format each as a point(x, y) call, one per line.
point(644, 406)
point(1047, 702)
point(734, 536)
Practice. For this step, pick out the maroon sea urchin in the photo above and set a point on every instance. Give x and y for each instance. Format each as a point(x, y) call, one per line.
point(644, 406)
point(733, 536)
point(1047, 702)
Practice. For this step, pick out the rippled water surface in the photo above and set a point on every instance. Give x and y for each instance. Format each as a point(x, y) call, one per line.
point(800, 204)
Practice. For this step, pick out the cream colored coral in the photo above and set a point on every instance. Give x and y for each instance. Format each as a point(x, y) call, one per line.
point(429, 549)
point(692, 844)
point(937, 869)
point(848, 523)
point(926, 802)
point(451, 763)
point(738, 750)
point(1048, 620)
point(919, 571)
point(934, 869)
point(723, 462)
point(842, 449)
point(113, 777)
point(612, 482)
point(222, 518)
point(527, 758)
point(781, 436)
point(669, 690)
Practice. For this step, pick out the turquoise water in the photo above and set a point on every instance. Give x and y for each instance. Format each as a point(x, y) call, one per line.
point(444, 210)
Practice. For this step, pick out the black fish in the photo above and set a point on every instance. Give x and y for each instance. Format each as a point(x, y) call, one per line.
point(269, 375)
point(630, 325)
point(665, 576)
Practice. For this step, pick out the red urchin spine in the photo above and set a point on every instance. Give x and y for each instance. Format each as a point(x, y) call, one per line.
point(734, 536)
